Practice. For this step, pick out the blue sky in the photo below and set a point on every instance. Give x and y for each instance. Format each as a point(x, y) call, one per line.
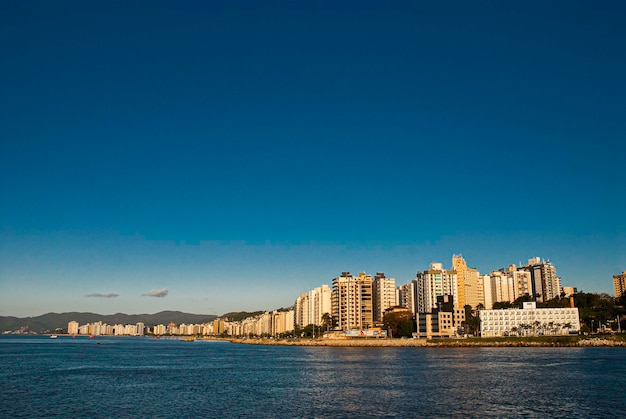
point(239, 154)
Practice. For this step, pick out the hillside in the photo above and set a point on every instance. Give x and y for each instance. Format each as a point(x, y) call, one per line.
point(236, 316)
point(52, 321)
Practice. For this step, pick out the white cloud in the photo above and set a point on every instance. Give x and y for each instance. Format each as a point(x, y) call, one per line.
point(98, 295)
point(157, 293)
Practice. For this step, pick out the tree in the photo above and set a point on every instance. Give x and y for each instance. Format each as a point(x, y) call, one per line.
point(472, 321)
point(499, 305)
point(567, 326)
point(328, 321)
point(400, 324)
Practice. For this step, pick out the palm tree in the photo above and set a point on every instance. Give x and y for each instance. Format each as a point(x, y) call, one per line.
point(536, 325)
point(567, 326)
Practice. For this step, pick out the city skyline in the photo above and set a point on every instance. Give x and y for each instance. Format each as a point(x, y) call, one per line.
point(212, 158)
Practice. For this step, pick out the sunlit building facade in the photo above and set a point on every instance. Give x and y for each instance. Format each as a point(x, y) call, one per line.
point(384, 295)
point(352, 301)
point(529, 321)
point(619, 284)
point(434, 283)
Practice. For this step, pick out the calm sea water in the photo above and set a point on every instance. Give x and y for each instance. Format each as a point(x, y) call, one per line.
point(142, 377)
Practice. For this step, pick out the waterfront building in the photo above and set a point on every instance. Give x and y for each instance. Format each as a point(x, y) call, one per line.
point(439, 324)
point(232, 329)
point(310, 307)
point(529, 321)
point(619, 284)
point(218, 327)
point(281, 322)
point(301, 311)
point(384, 295)
point(118, 329)
point(444, 320)
point(433, 283)
point(352, 301)
point(72, 328)
point(320, 303)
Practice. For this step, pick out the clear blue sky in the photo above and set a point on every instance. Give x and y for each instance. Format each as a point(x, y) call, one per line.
point(237, 154)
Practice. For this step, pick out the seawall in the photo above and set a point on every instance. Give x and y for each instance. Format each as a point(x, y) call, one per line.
point(444, 343)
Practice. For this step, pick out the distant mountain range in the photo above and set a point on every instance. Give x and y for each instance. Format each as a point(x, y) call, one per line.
point(52, 321)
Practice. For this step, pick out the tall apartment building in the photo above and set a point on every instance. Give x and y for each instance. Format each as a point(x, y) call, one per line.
point(352, 301)
point(489, 297)
point(619, 284)
point(72, 328)
point(406, 296)
point(474, 289)
point(522, 280)
point(460, 267)
point(502, 287)
point(433, 283)
point(384, 295)
point(280, 322)
point(311, 307)
point(301, 311)
point(546, 285)
point(470, 289)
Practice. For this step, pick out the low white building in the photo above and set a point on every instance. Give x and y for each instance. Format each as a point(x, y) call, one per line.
point(529, 321)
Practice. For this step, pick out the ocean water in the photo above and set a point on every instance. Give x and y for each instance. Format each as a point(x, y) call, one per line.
point(143, 377)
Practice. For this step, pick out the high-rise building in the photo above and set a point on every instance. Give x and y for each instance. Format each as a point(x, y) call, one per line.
point(546, 285)
point(474, 288)
point(320, 303)
point(218, 327)
point(460, 267)
point(72, 328)
point(501, 287)
point(522, 281)
point(619, 284)
point(433, 283)
point(281, 322)
point(311, 307)
point(384, 295)
point(470, 289)
point(406, 296)
point(352, 301)
point(301, 311)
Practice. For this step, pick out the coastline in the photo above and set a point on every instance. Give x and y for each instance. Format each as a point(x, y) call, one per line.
point(568, 341)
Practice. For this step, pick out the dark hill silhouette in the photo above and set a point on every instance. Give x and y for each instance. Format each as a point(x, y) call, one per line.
point(52, 321)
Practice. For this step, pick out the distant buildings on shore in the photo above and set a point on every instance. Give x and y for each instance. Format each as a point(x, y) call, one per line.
point(439, 300)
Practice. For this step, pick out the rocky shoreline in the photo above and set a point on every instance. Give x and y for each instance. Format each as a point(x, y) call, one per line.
point(441, 343)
